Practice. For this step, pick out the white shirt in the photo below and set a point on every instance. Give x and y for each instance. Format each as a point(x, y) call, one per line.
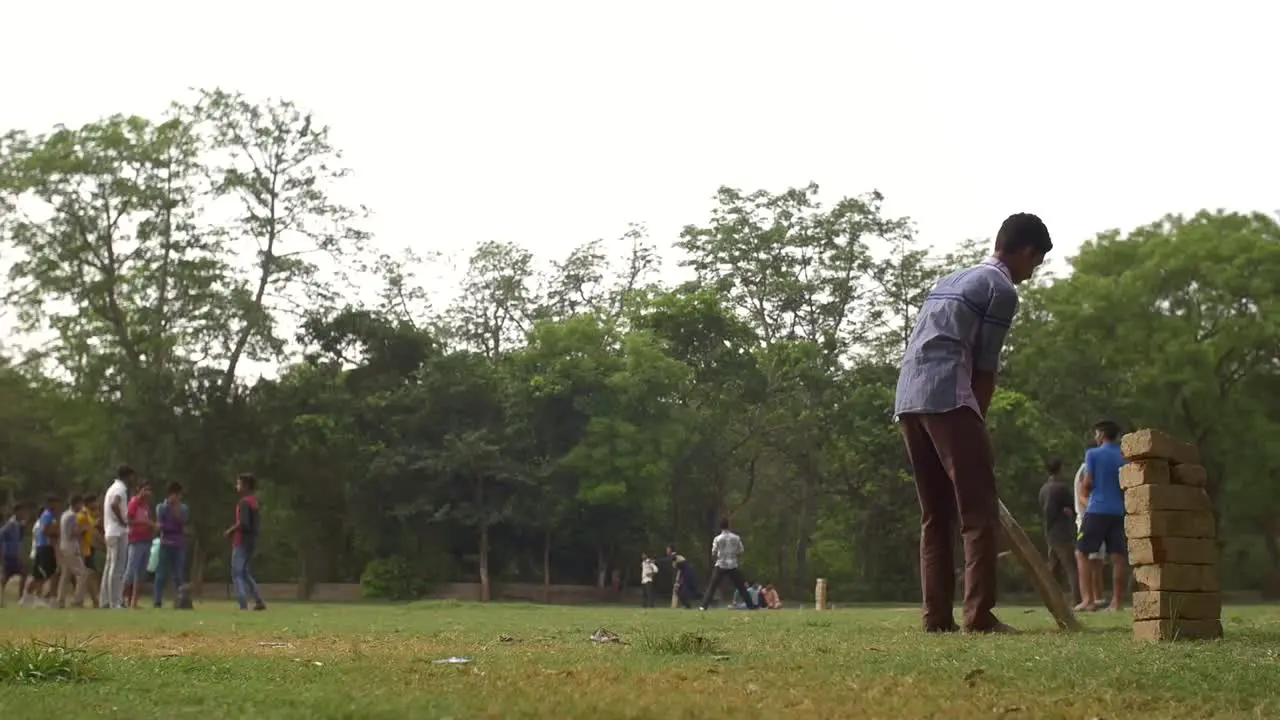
point(1080, 507)
point(648, 568)
point(111, 525)
point(69, 532)
point(726, 549)
point(35, 528)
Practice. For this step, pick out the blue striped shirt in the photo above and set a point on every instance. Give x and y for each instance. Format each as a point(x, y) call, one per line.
point(961, 328)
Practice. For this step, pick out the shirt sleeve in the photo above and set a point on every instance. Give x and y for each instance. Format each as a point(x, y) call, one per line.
point(995, 326)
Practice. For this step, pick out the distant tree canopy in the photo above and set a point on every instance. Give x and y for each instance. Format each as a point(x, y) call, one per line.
point(550, 425)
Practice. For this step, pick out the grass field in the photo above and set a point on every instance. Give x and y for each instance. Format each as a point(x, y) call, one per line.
point(369, 661)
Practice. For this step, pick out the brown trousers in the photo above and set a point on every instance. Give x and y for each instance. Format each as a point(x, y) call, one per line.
point(955, 480)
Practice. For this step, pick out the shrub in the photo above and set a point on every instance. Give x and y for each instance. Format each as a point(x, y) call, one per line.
point(393, 578)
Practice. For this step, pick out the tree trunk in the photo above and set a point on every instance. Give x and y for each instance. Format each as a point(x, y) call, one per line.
point(197, 568)
point(546, 567)
point(486, 593)
point(602, 572)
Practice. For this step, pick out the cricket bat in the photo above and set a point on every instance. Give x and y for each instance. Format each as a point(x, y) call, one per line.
point(1036, 567)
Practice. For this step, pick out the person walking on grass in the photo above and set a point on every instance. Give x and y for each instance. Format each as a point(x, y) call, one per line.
point(726, 550)
point(45, 540)
point(115, 531)
point(11, 565)
point(172, 517)
point(71, 569)
point(648, 568)
point(142, 531)
point(1103, 517)
point(1059, 517)
point(91, 537)
point(244, 540)
point(945, 385)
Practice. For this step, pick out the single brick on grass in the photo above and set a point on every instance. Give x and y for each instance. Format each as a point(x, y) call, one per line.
point(1167, 605)
point(1180, 551)
point(1152, 498)
point(1193, 475)
point(1178, 578)
point(1171, 629)
point(1137, 473)
point(1171, 523)
point(1148, 444)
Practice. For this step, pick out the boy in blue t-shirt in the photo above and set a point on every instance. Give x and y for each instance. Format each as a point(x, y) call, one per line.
point(45, 568)
point(11, 550)
point(1103, 517)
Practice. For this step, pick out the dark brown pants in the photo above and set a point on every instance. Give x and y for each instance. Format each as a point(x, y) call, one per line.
point(955, 480)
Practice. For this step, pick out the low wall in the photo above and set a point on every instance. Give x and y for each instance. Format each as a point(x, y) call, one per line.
point(502, 592)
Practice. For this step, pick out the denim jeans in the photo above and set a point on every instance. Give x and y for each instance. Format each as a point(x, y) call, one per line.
point(246, 588)
point(171, 566)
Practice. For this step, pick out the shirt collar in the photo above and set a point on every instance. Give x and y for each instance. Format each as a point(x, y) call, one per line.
point(995, 262)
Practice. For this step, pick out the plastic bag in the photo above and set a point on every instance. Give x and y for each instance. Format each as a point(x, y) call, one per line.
point(153, 562)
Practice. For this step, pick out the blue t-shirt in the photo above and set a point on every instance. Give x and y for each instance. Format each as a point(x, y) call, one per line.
point(1103, 464)
point(11, 539)
point(46, 519)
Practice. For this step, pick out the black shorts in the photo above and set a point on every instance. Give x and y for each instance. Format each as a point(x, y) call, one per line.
point(91, 562)
point(1096, 530)
point(46, 566)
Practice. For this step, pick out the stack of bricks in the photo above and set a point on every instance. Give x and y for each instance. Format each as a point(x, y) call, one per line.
point(1170, 527)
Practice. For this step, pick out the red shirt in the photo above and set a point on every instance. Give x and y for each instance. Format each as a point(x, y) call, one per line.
point(246, 522)
point(139, 517)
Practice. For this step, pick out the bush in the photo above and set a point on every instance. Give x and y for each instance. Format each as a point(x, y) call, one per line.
point(395, 579)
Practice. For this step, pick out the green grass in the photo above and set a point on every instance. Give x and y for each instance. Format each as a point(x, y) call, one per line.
point(331, 661)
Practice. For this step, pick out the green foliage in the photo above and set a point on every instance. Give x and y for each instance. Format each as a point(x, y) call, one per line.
point(394, 578)
point(552, 425)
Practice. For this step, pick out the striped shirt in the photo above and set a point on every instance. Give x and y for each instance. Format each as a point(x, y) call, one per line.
point(961, 328)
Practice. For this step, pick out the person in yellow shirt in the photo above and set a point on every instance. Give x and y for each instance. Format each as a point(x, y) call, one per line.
point(90, 529)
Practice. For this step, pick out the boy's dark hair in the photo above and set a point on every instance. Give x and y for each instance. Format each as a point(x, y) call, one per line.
point(174, 488)
point(1023, 230)
point(1109, 429)
point(90, 498)
point(248, 480)
point(143, 485)
point(724, 524)
point(1053, 465)
point(19, 507)
point(124, 472)
point(75, 500)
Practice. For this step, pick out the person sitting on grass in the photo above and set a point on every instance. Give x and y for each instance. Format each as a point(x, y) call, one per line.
point(771, 599)
point(11, 550)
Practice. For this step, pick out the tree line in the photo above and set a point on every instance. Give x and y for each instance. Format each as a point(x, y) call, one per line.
point(555, 420)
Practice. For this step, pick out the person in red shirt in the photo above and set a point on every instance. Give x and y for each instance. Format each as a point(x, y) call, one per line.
point(244, 540)
point(142, 529)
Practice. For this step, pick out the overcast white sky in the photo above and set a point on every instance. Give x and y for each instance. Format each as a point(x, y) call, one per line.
point(552, 123)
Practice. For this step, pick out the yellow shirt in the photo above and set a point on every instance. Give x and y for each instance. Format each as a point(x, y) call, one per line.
point(87, 529)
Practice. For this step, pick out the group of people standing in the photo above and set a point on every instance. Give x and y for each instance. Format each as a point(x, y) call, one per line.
point(726, 552)
point(134, 542)
point(1084, 524)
